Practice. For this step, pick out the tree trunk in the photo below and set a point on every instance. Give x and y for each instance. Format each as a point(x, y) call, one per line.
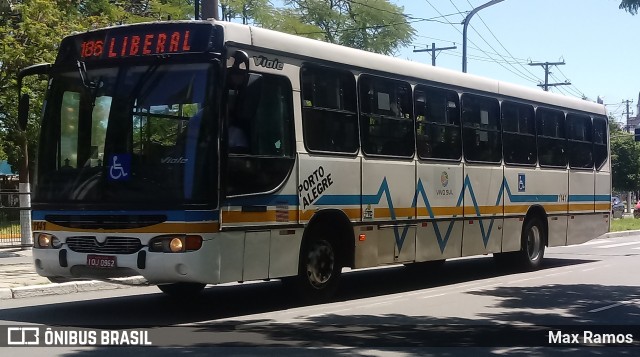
point(24, 191)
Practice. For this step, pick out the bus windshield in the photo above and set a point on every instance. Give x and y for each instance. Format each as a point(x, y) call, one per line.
point(136, 134)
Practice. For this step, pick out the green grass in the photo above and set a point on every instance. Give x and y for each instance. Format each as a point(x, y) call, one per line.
point(625, 224)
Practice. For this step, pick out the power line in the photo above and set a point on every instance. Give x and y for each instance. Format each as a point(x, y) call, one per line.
point(414, 20)
point(560, 70)
point(499, 42)
point(457, 29)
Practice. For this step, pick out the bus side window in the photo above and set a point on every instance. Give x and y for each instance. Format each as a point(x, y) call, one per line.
point(481, 128)
point(437, 123)
point(329, 117)
point(519, 133)
point(599, 141)
point(386, 117)
point(580, 141)
point(552, 143)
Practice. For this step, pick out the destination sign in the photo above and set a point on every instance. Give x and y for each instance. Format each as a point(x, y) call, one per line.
point(139, 40)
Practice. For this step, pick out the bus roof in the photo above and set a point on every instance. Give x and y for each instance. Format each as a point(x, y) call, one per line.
point(282, 42)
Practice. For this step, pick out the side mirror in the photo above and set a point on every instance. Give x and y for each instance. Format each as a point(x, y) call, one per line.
point(23, 111)
point(238, 74)
point(23, 100)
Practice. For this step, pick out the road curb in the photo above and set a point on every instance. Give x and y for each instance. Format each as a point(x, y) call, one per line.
point(621, 234)
point(68, 288)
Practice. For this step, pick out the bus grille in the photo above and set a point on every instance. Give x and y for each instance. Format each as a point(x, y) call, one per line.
point(112, 245)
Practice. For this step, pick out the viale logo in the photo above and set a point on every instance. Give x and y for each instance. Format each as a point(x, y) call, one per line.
point(173, 160)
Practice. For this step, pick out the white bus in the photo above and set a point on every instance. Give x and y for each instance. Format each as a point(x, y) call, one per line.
point(198, 152)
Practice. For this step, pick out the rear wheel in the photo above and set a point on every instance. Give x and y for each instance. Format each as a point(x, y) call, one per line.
point(182, 290)
point(533, 244)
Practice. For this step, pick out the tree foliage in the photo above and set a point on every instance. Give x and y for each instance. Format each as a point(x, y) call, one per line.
point(30, 32)
point(371, 25)
point(625, 159)
point(631, 6)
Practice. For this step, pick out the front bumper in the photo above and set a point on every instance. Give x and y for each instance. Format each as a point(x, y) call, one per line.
point(199, 266)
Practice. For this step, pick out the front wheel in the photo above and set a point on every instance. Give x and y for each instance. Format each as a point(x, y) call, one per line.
point(182, 290)
point(533, 244)
point(319, 270)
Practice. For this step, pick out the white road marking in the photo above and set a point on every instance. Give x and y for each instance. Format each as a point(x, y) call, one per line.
point(430, 296)
point(617, 245)
point(614, 305)
point(597, 241)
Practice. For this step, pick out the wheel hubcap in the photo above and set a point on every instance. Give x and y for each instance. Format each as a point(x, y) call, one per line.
point(320, 262)
point(533, 243)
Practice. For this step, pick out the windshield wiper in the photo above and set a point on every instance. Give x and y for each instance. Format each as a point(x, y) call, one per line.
point(92, 86)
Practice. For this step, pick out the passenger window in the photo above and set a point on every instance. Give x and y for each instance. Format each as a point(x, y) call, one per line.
point(437, 123)
point(481, 129)
point(269, 156)
point(386, 117)
point(552, 143)
point(599, 141)
point(580, 143)
point(329, 118)
point(519, 134)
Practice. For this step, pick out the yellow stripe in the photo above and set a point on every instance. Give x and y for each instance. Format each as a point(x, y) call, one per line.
point(555, 208)
point(157, 228)
point(581, 207)
point(441, 211)
point(471, 210)
point(352, 213)
point(399, 212)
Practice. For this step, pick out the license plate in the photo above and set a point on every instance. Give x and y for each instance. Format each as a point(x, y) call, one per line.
point(101, 261)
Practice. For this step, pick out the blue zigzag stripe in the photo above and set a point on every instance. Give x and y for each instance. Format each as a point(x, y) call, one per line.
point(443, 239)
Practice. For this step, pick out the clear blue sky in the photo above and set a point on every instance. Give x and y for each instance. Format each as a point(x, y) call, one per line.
point(599, 43)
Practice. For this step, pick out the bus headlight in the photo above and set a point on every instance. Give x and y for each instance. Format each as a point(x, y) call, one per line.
point(46, 240)
point(175, 243)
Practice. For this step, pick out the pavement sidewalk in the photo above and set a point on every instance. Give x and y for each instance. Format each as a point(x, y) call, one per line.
point(18, 278)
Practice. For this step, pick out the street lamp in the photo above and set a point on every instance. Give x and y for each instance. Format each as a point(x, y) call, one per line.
point(464, 31)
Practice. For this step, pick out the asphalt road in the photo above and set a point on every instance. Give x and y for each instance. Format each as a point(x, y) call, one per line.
point(468, 302)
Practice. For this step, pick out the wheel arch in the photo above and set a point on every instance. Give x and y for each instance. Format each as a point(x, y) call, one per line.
point(342, 233)
point(539, 212)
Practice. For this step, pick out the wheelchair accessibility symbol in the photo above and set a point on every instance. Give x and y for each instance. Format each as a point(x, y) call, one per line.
point(120, 167)
point(522, 183)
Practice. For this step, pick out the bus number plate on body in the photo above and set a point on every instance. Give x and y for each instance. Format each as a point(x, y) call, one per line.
point(101, 261)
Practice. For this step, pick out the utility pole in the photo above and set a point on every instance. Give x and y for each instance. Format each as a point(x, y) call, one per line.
point(628, 128)
point(546, 65)
point(433, 50)
point(210, 9)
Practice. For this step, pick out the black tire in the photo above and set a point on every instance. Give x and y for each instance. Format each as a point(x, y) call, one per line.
point(319, 269)
point(534, 239)
point(182, 290)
